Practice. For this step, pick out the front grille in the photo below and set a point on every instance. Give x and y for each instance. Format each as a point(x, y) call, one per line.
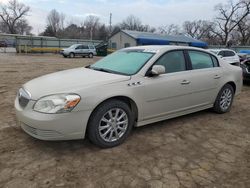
point(49, 134)
point(23, 97)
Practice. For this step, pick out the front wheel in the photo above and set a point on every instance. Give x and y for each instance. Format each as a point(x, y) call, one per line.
point(71, 55)
point(110, 124)
point(224, 99)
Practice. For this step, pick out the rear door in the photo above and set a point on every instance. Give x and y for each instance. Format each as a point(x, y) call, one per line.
point(85, 50)
point(230, 56)
point(234, 58)
point(204, 77)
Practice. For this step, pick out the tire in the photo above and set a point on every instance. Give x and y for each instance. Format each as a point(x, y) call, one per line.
point(104, 130)
point(64, 56)
point(90, 55)
point(71, 55)
point(224, 99)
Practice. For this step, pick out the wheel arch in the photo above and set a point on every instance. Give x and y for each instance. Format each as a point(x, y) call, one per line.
point(130, 102)
point(232, 84)
point(72, 53)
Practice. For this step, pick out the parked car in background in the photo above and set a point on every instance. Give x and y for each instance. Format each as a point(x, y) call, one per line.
point(228, 55)
point(242, 56)
point(79, 50)
point(131, 87)
point(245, 65)
point(3, 44)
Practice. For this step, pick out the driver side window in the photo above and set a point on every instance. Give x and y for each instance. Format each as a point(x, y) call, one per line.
point(78, 47)
point(173, 61)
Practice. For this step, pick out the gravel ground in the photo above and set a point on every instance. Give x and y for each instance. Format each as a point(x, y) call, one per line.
point(203, 149)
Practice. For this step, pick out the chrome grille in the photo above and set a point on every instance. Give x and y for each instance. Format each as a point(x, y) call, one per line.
point(23, 97)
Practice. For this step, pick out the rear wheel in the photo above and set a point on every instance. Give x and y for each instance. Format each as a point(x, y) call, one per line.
point(224, 99)
point(110, 124)
point(90, 55)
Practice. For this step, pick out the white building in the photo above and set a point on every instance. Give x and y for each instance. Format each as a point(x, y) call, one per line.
point(127, 38)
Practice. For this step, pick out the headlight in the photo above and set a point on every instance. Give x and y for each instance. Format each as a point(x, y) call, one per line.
point(54, 104)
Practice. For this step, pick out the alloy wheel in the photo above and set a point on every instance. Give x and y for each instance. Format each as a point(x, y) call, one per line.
point(226, 99)
point(113, 125)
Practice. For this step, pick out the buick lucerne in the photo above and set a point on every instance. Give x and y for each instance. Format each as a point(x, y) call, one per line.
point(131, 87)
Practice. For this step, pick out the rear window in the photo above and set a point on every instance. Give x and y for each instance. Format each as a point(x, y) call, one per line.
point(85, 47)
point(228, 53)
point(200, 60)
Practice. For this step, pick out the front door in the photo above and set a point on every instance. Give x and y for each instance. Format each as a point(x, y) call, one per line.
point(78, 50)
point(166, 93)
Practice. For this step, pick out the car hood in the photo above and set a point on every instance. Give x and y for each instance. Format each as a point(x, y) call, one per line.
point(66, 49)
point(70, 81)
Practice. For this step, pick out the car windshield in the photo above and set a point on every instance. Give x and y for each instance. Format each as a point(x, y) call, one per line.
point(74, 46)
point(126, 62)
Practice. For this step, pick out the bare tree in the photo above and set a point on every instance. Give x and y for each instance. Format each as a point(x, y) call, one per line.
point(243, 29)
point(198, 29)
point(134, 23)
point(91, 24)
point(23, 28)
point(62, 20)
point(131, 23)
point(12, 13)
point(53, 21)
point(171, 29)
point(229, 16)
point(3, 27)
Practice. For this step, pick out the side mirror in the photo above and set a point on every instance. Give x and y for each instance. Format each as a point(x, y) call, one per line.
point(220, 56)
point(157, 70)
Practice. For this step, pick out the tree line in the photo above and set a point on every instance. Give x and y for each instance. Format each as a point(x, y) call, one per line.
point(231, 24)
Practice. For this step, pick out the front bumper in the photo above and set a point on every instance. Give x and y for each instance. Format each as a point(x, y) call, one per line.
point(65, 53)
point(65, 126)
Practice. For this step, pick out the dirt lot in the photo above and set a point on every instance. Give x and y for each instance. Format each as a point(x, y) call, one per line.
point(199, 150)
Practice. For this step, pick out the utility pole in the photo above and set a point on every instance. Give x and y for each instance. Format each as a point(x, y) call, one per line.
point(110, 29)
point(110, 24)
point(91, 33)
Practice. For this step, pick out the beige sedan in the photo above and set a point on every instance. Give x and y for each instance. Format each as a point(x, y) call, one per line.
point(129, 88)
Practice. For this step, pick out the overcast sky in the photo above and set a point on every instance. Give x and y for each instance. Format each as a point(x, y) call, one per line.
point(153, 12)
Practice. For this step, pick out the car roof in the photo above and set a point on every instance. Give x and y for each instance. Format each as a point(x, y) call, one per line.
point(221, 49)
point(158, 48)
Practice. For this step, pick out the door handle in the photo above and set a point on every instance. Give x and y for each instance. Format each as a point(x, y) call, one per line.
point(185, 82)
point(217, 77)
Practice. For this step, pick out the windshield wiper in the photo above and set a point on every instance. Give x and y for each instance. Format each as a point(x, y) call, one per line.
point(101, 69)
point(107, 70)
